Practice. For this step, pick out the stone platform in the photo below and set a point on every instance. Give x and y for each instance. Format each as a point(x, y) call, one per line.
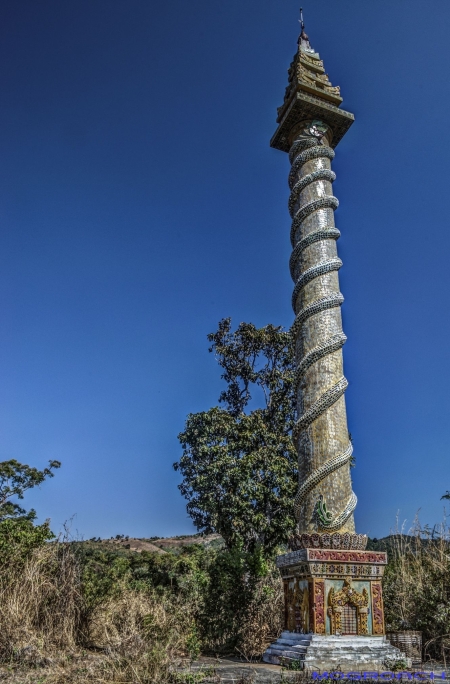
point(318, 652)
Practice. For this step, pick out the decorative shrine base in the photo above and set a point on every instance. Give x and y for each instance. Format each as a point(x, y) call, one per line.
point(325, 653)
point(333, 610)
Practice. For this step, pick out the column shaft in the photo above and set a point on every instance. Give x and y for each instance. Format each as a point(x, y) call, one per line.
point(325, 500)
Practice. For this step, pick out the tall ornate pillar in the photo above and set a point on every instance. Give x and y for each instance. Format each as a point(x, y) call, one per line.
point(332, 585)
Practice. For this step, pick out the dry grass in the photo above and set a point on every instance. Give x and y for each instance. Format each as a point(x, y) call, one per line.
point(264, 619)
point(40, 605)
point(417, 586)
point(46, 635)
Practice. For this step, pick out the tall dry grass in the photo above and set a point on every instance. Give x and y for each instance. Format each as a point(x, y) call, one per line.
point(136, 634)
point(40, 604)
point(263, 621)
point(134, 637)
point(417, 586)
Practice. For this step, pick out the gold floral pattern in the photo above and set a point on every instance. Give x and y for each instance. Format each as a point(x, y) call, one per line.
point(296, 607)
point(377, 608)
point(348, 595)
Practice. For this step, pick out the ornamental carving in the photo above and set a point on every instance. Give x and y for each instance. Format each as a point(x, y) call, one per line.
point(306, 76)
point(319, 606)
point(305, 71)
point(323, 78)
point(311, 62)
point(328, 541)
point(296, 607)
point(347, 596)
point(377, 608)
point(347, 556)
point(315, 80)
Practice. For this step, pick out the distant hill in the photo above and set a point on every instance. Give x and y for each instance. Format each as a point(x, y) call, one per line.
point(401, 542)
point(176, 544)
point(156, 544)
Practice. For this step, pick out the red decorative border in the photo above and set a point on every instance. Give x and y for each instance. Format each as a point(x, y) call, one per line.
point(319, 606)
point(347, 556)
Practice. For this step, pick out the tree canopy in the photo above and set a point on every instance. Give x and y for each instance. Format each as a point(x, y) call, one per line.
point(15, 479)
point(19, 535)
point(239, 464)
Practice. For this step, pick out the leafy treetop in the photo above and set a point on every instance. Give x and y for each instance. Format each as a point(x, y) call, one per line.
point(15, 479)
point(239, 464)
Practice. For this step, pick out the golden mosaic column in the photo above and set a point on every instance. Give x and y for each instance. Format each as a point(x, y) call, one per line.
point(325, 501)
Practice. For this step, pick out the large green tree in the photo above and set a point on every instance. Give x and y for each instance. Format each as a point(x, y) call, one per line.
point(239, 464)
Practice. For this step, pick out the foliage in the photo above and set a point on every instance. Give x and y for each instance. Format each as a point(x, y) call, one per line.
point(106, 572)
point(44, 619)
point(40, 604)
point(19, 538)
point(239, 465)
point(82, 613)
point(15, 479)
point(139, 612)
point(416, 586)
point(230, 591)
point(223, 588)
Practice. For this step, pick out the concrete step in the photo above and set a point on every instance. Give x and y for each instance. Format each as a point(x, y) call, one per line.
point(360, 649)
point(299, 644)
point(285, 654)
point(295, 652)
point(316, 650)
point(282, 647)
point(294, 636)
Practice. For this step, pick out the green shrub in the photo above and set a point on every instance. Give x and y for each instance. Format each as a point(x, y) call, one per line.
point(18, 538)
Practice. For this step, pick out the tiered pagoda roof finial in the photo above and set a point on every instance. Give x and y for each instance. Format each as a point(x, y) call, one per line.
point(309, 94)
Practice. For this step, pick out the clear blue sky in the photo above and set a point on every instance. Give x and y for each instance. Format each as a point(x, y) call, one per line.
point(140, 202)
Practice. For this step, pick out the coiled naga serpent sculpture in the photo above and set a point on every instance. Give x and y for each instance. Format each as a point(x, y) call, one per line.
point(308, 183)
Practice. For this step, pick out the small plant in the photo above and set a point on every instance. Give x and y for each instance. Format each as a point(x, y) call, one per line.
point(301, 677)
point(193, 644)
point(295, 665)
point(200, 677)
point(395, 665)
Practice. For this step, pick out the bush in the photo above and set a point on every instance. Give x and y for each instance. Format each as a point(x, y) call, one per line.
point(217, 588)
point(139, 613)
point(417, 586)
point(18, 539)
point(40, 602)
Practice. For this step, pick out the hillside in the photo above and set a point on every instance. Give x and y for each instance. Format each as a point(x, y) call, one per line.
point(155, 544)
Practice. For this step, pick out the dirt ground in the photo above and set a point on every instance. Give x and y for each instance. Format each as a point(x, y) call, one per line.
point(232, 670)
